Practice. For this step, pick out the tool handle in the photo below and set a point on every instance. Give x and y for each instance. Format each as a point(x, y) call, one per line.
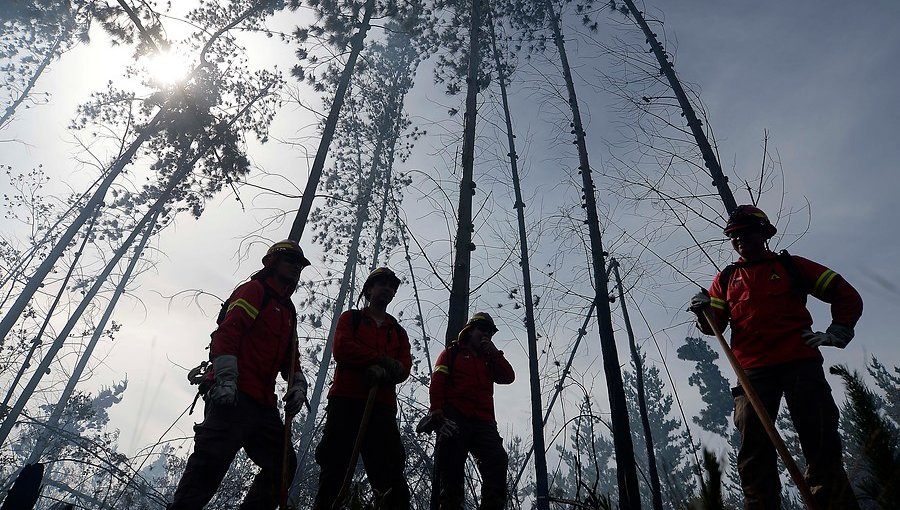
point(354, 457)
point(763, 415)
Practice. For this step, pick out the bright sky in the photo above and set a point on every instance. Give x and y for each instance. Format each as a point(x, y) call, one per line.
point(820, 78)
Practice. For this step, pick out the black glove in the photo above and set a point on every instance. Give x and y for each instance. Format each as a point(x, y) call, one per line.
point(376, 375)
point(393, 368)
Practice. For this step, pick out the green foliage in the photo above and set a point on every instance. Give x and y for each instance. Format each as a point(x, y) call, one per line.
point(712, 384)
point(874, 436)
point(670, 441)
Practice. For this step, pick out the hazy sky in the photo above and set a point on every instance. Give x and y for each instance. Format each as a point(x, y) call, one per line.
point(820, 77)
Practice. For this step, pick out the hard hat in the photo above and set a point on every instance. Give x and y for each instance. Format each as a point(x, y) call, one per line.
point(288, 246)
point(481, 320)
point(749, 217)
point(380, 273)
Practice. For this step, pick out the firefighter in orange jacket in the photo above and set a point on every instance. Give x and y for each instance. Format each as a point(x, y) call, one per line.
point(371, 349)
point(764, 297)
point(462, 412)
point(254, 342)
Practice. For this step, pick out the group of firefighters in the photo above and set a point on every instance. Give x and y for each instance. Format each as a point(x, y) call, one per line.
point(762, 297)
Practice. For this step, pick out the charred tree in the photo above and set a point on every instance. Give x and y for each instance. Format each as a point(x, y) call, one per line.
point(720, 181)
point(641, 394)
point(537, 425)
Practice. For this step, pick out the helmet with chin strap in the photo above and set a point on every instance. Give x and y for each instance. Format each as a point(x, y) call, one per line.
point(480, 320)
point(289, 248)
point(380, 273)
point(749, 217)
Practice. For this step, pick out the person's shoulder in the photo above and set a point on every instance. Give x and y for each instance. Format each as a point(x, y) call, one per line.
point(250, 289)
point(347, 315)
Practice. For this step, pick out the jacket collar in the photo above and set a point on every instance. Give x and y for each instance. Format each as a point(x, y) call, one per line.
point(767, 257)
point(388, 318)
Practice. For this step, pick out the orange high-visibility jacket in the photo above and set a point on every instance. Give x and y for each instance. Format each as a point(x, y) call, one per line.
point(357, 346)
point(465, 380)
point(260, 336)
point(768, 315)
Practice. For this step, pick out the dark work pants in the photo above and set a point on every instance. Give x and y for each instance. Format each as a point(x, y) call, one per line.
point(483, 441)
point(815, 417)
point(250, 425)
point(382, 453)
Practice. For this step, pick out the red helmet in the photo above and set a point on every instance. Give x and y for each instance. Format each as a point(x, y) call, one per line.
point(288, 246)
point(749, 217)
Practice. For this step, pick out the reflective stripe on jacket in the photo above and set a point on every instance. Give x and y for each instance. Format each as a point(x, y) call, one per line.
point(465, 380)
point(260, 337)
point(354, 351)
point(768, 315)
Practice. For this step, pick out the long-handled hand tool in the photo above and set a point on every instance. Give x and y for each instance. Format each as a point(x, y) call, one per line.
point(764, 417)
point(354, 457)
point(288, 420)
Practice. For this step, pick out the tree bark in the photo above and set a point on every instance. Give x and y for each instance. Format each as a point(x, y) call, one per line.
point(720, 181)
point(629, 492)
point(641, 394)
point(459, 291)
point(537, 425)
point(315, 174)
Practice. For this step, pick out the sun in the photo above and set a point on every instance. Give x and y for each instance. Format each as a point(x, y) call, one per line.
point(167, 68)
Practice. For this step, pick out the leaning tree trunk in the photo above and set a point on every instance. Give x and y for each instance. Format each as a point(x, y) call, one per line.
point(51, 53)
point(37, 279)
point(720, 181)
point(60, 406)
point(315, 174)
point(156, 208)
point(44, 366)
point(118, 165)
point(629, 492)
point(362, 215)
point(641, 394)
point(537, 426)
point(63, 287)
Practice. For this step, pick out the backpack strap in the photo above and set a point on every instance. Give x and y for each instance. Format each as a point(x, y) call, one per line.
point(725, 279)
point(454, 351)
point(799, 283)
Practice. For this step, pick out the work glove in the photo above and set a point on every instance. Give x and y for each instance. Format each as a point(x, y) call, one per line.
point(435, 421)
point(699, 302)
point(224, 390)
point(376, 375)
point(393, 368)
point(430, 422)
point(296, 395)
point(835, 336)
point(447, 430)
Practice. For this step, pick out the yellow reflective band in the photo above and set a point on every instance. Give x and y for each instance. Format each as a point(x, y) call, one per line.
point(823, 282)
point(442, 369)
point(245, 306)
point(717, 303)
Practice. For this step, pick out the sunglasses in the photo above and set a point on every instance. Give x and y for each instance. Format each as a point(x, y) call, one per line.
point(292, 258)
point(485, 328)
